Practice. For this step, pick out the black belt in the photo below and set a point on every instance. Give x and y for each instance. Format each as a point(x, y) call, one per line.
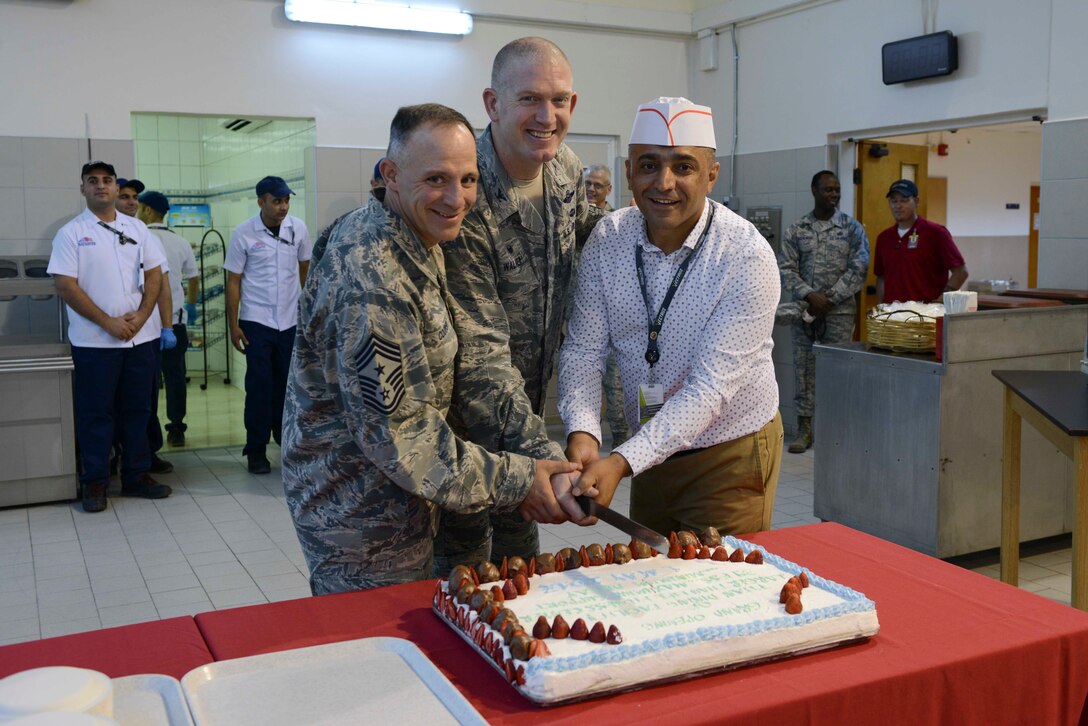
point(686, 452)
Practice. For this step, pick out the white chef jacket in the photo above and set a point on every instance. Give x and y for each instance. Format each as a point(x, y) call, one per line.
point(180, 257)
point(269, 269)
point(109, 272)
point(715, 343)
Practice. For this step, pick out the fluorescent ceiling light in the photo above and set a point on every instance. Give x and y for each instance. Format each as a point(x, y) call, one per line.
point(379, 15)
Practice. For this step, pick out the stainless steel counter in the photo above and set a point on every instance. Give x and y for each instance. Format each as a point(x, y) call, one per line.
point(908, 448)
point(37, 424)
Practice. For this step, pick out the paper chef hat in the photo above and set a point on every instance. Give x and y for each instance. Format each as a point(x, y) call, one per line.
point(673, 122)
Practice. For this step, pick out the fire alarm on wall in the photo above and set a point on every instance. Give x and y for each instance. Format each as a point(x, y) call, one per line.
point(942, 149)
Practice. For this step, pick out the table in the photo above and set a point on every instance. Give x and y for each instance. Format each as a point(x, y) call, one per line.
point(1066, 295)
point(1005, 302)
point(173, 646)
point(954, 647)
point(1056, 404)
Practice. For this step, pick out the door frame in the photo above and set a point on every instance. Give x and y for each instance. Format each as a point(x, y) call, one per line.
point(845, 142)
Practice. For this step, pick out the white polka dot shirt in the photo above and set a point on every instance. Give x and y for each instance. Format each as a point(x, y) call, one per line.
point(715, 344)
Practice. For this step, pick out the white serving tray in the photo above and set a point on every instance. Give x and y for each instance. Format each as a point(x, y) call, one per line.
point(149, 700)
point(354, 681)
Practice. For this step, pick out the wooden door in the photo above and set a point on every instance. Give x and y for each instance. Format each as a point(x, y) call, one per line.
point(877, 171)
point(1033, 239)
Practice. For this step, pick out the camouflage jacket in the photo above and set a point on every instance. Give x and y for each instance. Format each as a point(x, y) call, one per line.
point(512, 273)
point(825, 256)
point(367, 453)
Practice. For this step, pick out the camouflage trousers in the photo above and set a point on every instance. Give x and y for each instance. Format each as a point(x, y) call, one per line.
point(831, 329)
point(472, 538)
point(613, 402)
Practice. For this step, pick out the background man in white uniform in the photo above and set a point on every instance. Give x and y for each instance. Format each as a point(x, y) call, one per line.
point(683, 291)
point(266, 263)
point(107, 270)
point(152, 209)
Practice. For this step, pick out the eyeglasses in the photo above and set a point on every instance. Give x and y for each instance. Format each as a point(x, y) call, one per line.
point(121, 236)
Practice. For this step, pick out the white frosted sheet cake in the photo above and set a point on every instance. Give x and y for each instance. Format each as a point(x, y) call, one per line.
point(660, 618)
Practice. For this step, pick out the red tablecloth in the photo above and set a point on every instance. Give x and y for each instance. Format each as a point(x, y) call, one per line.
point(954, 647)
point(172, 647)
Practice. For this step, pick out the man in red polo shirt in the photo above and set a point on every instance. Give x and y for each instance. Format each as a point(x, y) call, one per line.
point(915, 259)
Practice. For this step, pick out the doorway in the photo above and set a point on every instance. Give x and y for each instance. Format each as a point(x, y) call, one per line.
point(208, 167)
point(975, 180)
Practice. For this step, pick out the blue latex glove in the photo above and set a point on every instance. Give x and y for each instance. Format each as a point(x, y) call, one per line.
point(167, 340)
point(190, 312)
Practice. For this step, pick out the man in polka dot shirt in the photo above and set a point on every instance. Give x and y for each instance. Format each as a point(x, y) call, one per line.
point(683, 292)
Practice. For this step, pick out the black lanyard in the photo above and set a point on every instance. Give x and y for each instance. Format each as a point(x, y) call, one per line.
point(121, 236)
point(290, 242)
point(653, 355)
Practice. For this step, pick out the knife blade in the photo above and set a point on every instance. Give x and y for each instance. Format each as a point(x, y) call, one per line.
point(628, 526)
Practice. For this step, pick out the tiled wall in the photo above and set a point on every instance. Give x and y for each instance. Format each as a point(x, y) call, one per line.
point(39, 193)
point(197, 159)
point(1063, 217)
point(39, 187)
point(342, 177)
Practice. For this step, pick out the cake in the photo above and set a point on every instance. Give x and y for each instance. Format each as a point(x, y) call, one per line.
point(606, 619)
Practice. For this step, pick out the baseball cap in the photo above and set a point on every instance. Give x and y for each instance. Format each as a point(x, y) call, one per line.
point(133, 183)
point(92, 165)
point(155, 200)
point(905, 187)
point(273, 185)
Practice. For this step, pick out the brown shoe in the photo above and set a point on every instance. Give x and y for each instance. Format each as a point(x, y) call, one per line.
point(160, 465)
point(146, 488)
point(94, 496)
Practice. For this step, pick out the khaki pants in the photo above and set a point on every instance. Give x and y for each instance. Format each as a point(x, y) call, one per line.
point(729, 486)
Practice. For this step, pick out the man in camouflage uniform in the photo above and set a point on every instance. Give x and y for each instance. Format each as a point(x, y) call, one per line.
point(368, 457)
point(512, 266)
point(824, 260)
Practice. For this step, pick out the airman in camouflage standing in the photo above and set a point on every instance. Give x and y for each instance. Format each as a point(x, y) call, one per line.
point(368, 457)
point(824, 260)
point(513, 265)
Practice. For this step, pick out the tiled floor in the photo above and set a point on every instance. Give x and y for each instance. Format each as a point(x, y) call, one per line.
point(225, 539)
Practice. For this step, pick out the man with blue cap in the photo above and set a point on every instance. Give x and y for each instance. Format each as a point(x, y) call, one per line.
point(152, 210)
point(266, 262)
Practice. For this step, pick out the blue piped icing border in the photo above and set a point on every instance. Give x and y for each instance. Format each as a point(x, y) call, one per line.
point(855, 602)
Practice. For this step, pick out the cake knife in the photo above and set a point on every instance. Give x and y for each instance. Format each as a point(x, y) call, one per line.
point(628, 526)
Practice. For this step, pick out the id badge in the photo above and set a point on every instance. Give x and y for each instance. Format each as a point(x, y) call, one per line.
point(651, 397)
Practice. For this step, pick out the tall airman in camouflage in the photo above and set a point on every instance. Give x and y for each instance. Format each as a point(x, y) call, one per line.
point(513, 264)
point(368, 457)
point(824, 260)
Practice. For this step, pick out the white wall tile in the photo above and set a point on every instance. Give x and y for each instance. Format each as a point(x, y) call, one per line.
point(12, 214)
point(169, 153)
point(169, 176)
point(331, 205)
point(190, 153)
point(150, 176)
point(147, 126)
point(168, 128)
point(11, 161)
point(47, 210)
point(191, 178)
point(118, 152)
point(12, 247)
point(147, 154)
point(189, 128)
point(52, 163)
